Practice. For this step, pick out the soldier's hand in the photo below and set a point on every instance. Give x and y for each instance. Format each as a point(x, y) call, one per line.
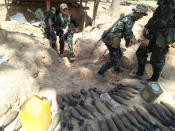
point(132, 41)
point(144, 31)
point(65, 31)
point(145, 42)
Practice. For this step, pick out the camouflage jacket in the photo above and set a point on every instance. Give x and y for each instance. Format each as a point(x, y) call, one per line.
point(161, 26)
point(162, 19)
point(61, 22)
point(49, 15)
point(124, 27)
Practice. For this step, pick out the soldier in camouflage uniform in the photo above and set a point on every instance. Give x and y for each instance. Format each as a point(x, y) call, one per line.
point(159, 32)
point(112, 40)
point(49, 31)
point(63, 29)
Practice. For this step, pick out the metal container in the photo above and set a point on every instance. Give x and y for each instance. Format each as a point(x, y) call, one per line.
point(151, 92)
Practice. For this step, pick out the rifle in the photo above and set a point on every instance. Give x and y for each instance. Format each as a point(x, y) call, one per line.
point(105, 33)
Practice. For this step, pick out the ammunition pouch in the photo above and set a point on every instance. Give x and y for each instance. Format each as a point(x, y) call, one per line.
point(170, 35)
point(112, 40)
point(163, 39)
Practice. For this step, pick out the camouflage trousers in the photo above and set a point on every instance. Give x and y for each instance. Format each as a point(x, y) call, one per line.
point(68, 38)
point(157, 59)
point(51, 35)
point(115, 56)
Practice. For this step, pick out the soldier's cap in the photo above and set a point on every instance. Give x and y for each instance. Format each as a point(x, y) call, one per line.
point(63, 6)
point(53, 9)
point(141, 8)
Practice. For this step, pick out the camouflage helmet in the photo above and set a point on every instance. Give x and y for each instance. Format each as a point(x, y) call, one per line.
point(141, 8)
point(53, 9)
point(63, 6)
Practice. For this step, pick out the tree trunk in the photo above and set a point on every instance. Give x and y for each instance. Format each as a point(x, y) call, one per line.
point(115, 8)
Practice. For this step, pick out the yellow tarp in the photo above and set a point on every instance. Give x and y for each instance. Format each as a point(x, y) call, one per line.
point(35, 114)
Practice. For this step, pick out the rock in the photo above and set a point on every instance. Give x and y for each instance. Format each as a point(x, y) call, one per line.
point(27, 57)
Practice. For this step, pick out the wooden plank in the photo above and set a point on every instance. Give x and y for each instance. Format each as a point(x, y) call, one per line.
point(48, 5)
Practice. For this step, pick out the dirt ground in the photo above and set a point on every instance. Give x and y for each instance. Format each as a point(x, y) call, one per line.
point(34, 67)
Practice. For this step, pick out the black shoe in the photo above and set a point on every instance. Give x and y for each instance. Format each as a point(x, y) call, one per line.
point(101, 76)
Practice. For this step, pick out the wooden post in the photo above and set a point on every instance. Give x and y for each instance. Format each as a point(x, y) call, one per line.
point(48, 5)
point(85, 15)
point(96, 3)
point(80, 2)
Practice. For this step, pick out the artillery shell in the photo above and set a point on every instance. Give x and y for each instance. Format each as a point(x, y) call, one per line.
point(63, 123)
point(74, 113)
point(146, 117)
point(75, 95)
point(155, 113)
point(70, 97)
point(134, 87)
point(91, 110)
point(64, 97)
point(168, 112)
point(67, 116)
point(111, 125)
point(132, 90)
point(72, 101)
point(161, 112)
point(93, 94)
point(141, 121)
point(133, 121)
point(84, 113)
point(103, 126)
point(170, 107)
point(99, 108)
point(109, 106)
point(152, 110)
point(123, 95)
point(84, 92)
point(119, 123)
point(59, 99)
point(70, 126)
point(10, 118)
point(127, 93)
point(89, 128)
point(55, 121)
point(126, 122)
point(119, 100)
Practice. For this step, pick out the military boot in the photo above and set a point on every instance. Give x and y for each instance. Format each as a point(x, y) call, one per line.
point(61, 55)
point(154, 78)
point(101, 76)
point(139, 73)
